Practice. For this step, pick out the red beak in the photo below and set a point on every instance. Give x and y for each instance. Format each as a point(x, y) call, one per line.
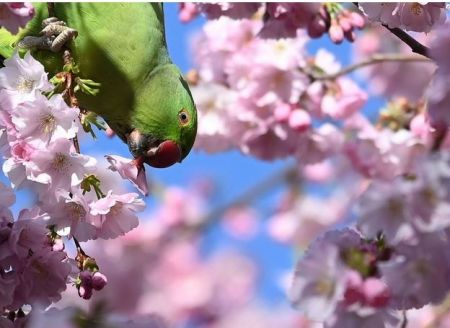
point(165, 155)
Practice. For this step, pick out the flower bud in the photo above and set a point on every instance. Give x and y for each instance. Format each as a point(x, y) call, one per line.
point(345, 23)
point(353, 292)
point(376, 293)
point(317, 27)
point(58, 245)
point(86, 278)
point(357, 20)
point(350, 36)
point(85, 292)
point(99, 280)
point(300, 120)
point(282, 112)
point(336, 33)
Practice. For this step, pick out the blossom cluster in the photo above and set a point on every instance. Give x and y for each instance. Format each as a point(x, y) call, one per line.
point(265, 95)
point(38, 142)
point(394, 258)
point(249, 101)
point(283, 19)
point(410, 16)
point(33, 265)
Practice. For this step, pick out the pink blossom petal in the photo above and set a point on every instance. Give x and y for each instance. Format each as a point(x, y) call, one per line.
point(130, 170)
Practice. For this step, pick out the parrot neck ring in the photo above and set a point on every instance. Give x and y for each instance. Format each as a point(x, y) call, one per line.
point(155, 153)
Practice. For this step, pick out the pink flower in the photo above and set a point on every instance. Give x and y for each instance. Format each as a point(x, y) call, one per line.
point(45, 278)
point(180, 207)
point(232, 10)
point(300, 222)
point(241, 222)
point(319, 281)
point(45, 120)
point(29, 235)
point(284, 19)
point(187, 11)
point(417, 275)
point(212, 47)
point(386, 13)
point(130, 170)
point(343, 100)
point(71, 215)
point(438, 101)
point(15, 166)
point(8, 283)
point(439, 90)
point(300, 120)
point(409, 16)
point(363, 317)
point(438, 48)
point(99, 280)
point(116, 214)
point(376, 293)
point(320, 172)
point(384, 208)
point(264, 84)
point(421, 17)
point(389, 78)
point(58, 166)
point(7, 196)
point(23, 77)
point(384, 154)
point(15, 15)
point(336, 33)
point(214, 105)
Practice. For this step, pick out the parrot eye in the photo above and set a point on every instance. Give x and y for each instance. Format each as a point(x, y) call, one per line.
point(183, 117)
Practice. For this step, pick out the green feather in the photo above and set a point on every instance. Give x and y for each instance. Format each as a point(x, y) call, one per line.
point(122, 46)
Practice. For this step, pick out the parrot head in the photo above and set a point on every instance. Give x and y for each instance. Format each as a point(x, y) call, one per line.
point(164, 122)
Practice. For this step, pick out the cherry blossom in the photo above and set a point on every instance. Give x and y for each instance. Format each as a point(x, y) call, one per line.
point(15, 15)
point(55, 119)
point(131, 170)
point(319, 281)
point(115, 214)
point(59, 166)
point(410, 16)
point(23, 77)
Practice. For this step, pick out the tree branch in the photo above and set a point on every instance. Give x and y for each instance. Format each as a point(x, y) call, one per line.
point(375, 59)
point(415, 45)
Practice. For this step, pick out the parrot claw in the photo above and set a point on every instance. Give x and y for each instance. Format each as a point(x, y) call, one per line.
point(54, 35)
point(52, 20)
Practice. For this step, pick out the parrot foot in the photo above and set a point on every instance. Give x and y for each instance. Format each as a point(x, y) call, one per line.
point(54, 35)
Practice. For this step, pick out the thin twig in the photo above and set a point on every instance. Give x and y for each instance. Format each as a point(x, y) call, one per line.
point(415, 45)
point(78, 246)
point(374, 59)
point(405, 320)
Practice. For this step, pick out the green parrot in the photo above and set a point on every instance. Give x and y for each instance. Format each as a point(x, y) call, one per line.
point(143, 96)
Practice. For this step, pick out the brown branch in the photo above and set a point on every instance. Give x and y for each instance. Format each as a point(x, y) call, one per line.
point(415, 45)
point(374, 59)
point(51, 9)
